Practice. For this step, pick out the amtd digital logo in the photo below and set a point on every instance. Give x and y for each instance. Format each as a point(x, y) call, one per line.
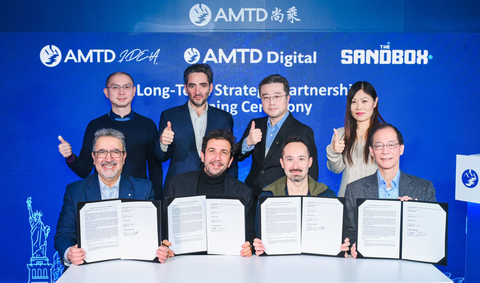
point(50, 56)
point(250, 56)
point(200, 15)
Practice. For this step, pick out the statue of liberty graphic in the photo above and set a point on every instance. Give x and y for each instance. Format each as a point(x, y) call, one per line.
point(38, 232)
point(39, 268)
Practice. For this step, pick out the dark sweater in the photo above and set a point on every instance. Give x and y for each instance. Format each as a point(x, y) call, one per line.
point(140, 137)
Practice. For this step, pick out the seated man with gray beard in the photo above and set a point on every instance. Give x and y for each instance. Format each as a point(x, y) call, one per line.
point(109, 152)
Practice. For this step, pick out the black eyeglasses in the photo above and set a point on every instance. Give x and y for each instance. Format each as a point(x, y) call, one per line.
point(114, 153)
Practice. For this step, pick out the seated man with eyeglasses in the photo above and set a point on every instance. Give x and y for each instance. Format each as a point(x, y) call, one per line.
point(109, 153)
point(386, 145)
point(140, 134)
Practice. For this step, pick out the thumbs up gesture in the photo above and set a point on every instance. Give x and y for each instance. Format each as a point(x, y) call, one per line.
point(166, 138)
point(338, 145)
point(255, 135)
point(64, 147)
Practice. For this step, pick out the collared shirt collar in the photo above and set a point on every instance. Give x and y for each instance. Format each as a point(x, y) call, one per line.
point(391, 193)
point(279, 124)
point(273, 131)
point(107, 192)
point(115, 117)
point(193, 111)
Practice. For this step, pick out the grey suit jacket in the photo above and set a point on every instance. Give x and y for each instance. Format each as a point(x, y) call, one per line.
point(367, 187)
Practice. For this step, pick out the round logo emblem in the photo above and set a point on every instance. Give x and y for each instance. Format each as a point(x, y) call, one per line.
point(470, 178)
point(50, 56)
point(191, 55)
point(200, 15)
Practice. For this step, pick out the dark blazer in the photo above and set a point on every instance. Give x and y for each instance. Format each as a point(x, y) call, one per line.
point(88, 189)
point(186, 185)
point(367, 187)
point(183, 152)
point(267, 169)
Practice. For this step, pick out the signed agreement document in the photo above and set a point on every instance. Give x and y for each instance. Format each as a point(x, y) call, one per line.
point(322, 225)
point(215, 225)
point(411, 230)
point(294, 225)
point(119, 229)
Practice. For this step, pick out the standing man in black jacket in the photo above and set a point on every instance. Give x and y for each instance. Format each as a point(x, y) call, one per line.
point(264, 137)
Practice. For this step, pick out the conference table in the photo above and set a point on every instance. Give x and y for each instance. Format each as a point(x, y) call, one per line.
point(291, 268)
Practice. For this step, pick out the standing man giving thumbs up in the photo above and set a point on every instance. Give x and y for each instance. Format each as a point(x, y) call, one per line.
point(264, 137)
point(140, 135)
point(182, 128)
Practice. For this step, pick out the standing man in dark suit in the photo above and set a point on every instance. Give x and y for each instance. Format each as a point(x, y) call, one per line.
point(386, 146)
point(183, 127)
point(140, 134)
point(264, 137)
point(109, 153)
point(218, 149)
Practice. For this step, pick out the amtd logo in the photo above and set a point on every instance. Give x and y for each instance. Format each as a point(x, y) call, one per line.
point(51, 56)
point(200, 15)
point(191, 55)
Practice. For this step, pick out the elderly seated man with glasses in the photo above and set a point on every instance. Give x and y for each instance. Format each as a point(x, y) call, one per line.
point(109, 153)
point(386, 145)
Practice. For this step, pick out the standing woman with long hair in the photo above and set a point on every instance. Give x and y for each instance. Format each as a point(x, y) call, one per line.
point(348, 153)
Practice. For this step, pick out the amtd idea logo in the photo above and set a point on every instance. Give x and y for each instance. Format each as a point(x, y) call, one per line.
point(50, 56)
point(200, 15)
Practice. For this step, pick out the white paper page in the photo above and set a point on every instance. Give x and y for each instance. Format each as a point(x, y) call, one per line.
point(225, 226)
point(322, 222)
point(280, 225)
point(99, 230)
point(424, 230)
point(139, 231)
point(186, 225)
point(379, 229)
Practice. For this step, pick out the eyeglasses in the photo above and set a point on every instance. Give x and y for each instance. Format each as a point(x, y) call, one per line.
point(380, 146)
point(114, 153)
point(116, 88)
point(275, 98)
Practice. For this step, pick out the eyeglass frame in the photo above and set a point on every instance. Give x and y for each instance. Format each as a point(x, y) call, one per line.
point(381, 146)
point(275, 98)
point(117, 88)
point(120, 152)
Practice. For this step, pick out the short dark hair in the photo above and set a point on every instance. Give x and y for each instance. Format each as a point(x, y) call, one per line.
point(380, 127)
point(220, 134)
point(109, 133)
point(291, 139)
point(118, 73)
point(199, 68)
point(276, 78)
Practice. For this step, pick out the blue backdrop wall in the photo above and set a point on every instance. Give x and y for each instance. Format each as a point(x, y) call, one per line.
point(426, 82)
